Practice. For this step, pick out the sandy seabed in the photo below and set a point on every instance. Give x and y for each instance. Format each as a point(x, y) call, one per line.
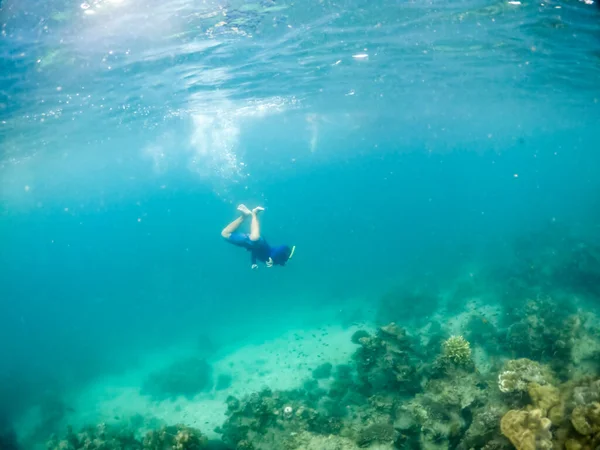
point(283, 362)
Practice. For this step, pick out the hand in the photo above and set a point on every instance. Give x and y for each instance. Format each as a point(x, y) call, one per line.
point(269, 262)
point(254, 266)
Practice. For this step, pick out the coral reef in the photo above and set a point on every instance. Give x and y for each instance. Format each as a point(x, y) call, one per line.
point(442, 414)
point(502, 377)
point(527, 430)
point(457, 350)
point(546, 332)
point(263, 419)
point(176, 438)
point(517, 374)
point(103, 437)
point(563, 417)
point(100, 437)
point(387, 362)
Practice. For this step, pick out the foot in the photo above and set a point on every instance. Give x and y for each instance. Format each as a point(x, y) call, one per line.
point(244, 210)
point(257, 210)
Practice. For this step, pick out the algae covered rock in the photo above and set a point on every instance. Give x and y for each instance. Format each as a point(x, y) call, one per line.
point(442, 411)
point(104, 437)
point(178, 437)
point(323, 371)
point(484, 428)
point(358, 335)
point(383, 433)
point(546, 332)
point(262, 418)
point(386, 362)
point(99, 437)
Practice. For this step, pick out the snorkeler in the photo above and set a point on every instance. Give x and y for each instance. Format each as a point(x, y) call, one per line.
point(254, 242)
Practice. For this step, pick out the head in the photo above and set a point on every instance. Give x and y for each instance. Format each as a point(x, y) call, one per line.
point(282, 254)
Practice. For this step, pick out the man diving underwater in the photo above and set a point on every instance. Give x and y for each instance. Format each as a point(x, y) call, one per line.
point(254, 242)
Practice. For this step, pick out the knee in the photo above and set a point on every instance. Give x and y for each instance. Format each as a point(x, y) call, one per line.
point(225, 234)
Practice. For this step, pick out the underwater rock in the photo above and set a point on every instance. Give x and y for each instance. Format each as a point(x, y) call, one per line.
point(527, 430)
point(262, 418)
point(100, 437)
point(444, 409)
point(178, 437)
point(357, 335)
point(344, 390)
point(104, 437)
point(555, 258)
point(481, 331)
point(323, 371)
point(393, 331)
point(383, 433)
point(386, 362)
point(185, 378)
point(484, 429)
point(547, 333)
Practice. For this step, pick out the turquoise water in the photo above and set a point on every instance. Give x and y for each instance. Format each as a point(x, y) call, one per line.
point(394, 143)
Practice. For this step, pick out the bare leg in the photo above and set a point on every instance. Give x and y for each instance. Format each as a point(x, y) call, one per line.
point(254, 225)
point(245, 212)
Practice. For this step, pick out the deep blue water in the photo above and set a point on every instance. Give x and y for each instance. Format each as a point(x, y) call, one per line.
point(387, 140)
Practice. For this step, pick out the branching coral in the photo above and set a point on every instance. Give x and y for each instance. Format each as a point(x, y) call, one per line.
point(457, 349)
